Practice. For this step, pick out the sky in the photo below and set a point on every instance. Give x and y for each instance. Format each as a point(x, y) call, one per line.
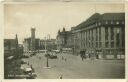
point(48, 18)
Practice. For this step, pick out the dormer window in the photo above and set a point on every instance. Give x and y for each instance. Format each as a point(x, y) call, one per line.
point(117, 22)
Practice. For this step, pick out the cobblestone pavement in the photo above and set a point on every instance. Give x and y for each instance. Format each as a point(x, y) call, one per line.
point(75, 68)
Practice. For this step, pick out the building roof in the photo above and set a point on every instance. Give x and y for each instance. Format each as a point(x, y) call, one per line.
point(113, 16)
point(101, 17)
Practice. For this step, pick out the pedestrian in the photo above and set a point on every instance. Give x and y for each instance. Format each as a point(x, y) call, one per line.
point(28, 63)
point(31, 66)
point(39, 57)
point(65, 59)
point(61, 76)
point(82, 59)
point(62, 58)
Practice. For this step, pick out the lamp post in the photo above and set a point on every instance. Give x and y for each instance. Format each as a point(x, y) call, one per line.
point(47, 64)
point(45, 44)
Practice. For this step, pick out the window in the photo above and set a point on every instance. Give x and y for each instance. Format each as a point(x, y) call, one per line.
point(100, 34)
point(122, 22)
point(89, 35)
point(99, 23)
point(106, 44)
point(106, 33)
point(112, 44)
point(117, 38)
point(112, 33)
point(106, 22)
point(96, 44)
point(100, 44)
point(111, 22)
point(86, 38)
point(123, 37)
point(118, 30)
point(96, 34)
point(96, 24)
point(89, 44)
point(92, 35)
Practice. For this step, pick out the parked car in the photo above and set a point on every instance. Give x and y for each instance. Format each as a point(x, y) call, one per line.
point(51, 56)
point(23, 62)
point(25, 56)
point(31, 76)
point(47, 55)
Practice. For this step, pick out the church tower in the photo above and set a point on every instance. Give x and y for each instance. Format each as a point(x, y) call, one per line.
point(33, 39)
point(16, 39)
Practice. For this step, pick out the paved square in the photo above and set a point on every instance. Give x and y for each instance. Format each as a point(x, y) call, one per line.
point(75, 68)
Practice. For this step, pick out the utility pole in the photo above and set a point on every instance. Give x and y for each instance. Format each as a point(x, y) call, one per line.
point(45, 44)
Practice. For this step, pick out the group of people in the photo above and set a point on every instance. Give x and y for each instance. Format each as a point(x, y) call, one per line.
point(65, 59)
point(84, 55)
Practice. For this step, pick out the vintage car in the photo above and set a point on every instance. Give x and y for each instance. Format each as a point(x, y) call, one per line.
point(31, 76)
point(51, 56)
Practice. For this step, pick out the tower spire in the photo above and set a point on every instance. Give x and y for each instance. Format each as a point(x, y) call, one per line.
point(63, 29)
point(16, 39)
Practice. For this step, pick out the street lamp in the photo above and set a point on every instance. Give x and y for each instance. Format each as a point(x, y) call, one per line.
point(47, 64)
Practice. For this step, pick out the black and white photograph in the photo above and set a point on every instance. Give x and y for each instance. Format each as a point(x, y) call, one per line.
point(64, 40)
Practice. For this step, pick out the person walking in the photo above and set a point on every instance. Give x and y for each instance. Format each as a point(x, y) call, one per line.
point(61, 76)
point(62, 58)
point(65, 59)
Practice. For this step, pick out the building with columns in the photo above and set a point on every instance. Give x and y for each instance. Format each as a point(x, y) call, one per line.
point(102, 34)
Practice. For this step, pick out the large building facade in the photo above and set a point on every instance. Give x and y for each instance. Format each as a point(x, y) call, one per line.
point(28, 45)
point(49, 44)
point(12, 47)
point(64, 39)
point(32, 43)
point(102, 34)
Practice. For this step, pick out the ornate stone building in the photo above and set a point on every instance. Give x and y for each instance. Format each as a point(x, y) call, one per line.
point(64, 39)
point(12, 47)
point(32, 43)
point(102, 34)
point(50, 44)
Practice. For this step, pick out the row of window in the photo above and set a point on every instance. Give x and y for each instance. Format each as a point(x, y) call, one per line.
point(111, 22)
point(87, 38)
point(111, 33)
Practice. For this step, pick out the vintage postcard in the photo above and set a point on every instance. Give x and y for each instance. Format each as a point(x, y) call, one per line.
point(64, 40)
point(65, 0)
